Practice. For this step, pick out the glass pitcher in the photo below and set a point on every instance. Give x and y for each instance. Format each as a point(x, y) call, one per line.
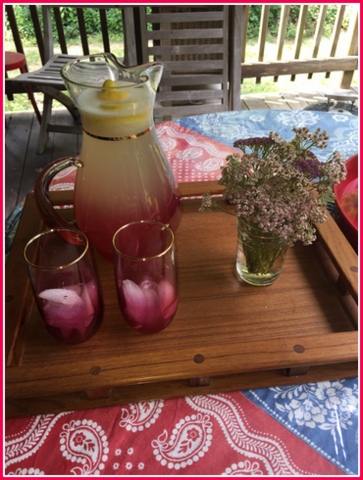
point(122, 172)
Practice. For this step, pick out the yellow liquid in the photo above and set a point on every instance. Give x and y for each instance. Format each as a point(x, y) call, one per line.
point(116, 112)
point(122, 179)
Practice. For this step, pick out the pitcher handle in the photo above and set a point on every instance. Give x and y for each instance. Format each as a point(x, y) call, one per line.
point(41, 192)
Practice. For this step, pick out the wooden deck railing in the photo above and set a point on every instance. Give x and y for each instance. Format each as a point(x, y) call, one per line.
point(325, 62)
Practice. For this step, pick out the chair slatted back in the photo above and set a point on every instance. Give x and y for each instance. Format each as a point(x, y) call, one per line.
point(192, 43)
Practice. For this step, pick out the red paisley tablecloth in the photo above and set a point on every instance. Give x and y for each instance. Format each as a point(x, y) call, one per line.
point(234, 434)
point(206, 435)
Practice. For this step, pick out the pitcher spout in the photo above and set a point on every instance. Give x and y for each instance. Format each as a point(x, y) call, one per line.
point(152, 70)
point(93, 70)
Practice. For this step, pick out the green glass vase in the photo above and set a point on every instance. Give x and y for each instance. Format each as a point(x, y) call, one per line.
point(260, 255)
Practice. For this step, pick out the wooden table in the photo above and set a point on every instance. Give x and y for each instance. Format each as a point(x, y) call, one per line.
point(225, 336)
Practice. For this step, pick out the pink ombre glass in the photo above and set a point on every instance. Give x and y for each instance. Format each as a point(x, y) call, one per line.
point(65, 284)
point(145, 275)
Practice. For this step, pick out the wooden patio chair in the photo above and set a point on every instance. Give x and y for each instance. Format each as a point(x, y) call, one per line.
point(195, 45)
point(48, 79)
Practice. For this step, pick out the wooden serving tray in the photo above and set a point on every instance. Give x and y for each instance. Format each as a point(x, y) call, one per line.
point(225, 336)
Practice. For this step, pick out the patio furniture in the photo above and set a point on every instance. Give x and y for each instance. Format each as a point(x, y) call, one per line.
point(48, 79)
point(14, 61)
point(201, 66)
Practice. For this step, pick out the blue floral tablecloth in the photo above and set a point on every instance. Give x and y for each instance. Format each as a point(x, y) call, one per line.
point(227, 127)
point(323, 414)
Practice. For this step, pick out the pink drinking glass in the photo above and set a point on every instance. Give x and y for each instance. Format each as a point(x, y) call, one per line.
point(145, 275)
point(65, 284)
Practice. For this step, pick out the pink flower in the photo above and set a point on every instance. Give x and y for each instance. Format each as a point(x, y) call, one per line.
point(79, 439)
point(193, 434)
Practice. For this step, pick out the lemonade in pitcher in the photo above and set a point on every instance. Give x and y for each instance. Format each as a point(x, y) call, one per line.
point(123, 162)
point(123, 174)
